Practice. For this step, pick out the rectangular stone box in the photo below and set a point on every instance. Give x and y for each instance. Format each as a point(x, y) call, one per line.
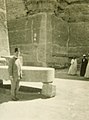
point(31, 74)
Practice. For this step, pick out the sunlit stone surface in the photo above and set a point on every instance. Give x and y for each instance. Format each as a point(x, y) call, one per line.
point(4, 43)
point(31, 74)
point(35, 74)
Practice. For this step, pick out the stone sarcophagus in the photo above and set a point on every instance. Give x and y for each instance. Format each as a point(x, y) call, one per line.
point(35, 74)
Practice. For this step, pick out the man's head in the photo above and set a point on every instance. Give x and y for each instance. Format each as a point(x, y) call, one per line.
point(17, 52)
point(84, 55)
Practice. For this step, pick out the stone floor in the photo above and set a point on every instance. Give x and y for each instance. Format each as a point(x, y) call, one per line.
point(70, 103)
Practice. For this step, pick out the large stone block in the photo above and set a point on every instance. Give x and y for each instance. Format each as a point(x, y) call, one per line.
point(4, 43)
point(79, 38)
point(59, 31)
point(15, 9)
point(38, 74)
point(30, 35)
point(31, 74)
point(77, 13)
point(49, 90)
point(79, 34)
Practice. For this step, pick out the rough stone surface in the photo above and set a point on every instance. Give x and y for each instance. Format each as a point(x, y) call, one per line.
point(65, 31)
point(49, 90)
point(4, 45)
point(31, 74)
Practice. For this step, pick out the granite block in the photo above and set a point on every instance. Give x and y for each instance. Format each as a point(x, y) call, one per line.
point(49, 90)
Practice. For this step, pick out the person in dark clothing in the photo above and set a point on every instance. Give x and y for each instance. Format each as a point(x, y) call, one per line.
point(83, 65)
point(15, 73)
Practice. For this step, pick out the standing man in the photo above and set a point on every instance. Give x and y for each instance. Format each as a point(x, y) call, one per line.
point(83, 65)
point(15, 73)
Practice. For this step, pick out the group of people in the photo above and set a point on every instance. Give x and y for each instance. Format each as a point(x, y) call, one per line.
point(84, 68)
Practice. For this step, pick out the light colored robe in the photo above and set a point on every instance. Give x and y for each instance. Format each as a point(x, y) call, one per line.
point(73, 67)
point(87, 71)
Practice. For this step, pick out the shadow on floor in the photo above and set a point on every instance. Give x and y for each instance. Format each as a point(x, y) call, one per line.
point(23, 88)
point(24, 94)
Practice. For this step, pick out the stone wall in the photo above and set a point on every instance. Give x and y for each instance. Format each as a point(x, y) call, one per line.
point(4, 45)
point(61, 27)
point(25, 34)
point(76, 14)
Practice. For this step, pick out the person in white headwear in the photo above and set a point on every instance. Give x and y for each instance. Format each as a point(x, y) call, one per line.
point(87, 69)
point(73, 67)
point(83, 65)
